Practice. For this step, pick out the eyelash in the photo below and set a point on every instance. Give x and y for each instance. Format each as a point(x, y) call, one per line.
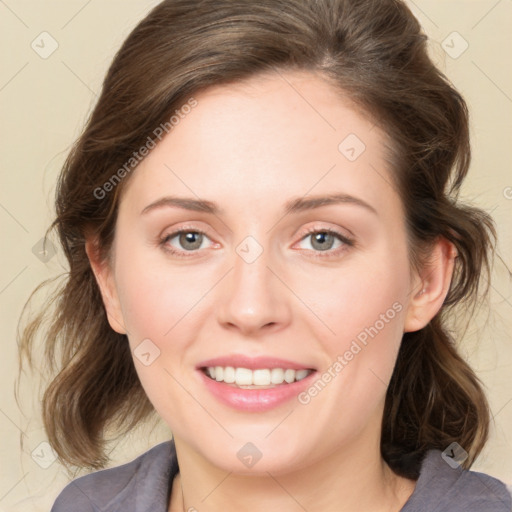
point(347, 242)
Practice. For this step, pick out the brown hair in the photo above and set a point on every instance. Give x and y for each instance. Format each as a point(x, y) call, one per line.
point(372, 51)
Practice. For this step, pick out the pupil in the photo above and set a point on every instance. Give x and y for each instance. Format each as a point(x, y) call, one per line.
point(192, 238)
point(320, 239)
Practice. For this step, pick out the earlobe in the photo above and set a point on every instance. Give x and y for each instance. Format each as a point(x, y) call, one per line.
point(105, 280)
point(432, 286)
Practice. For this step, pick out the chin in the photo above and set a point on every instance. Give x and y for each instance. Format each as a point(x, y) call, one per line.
point(254, 455)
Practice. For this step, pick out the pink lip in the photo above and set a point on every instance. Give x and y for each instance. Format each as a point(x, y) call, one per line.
point(255, 400)
point(253, 363)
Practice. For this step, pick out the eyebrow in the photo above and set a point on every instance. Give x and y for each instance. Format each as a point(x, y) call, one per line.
point(292, 206)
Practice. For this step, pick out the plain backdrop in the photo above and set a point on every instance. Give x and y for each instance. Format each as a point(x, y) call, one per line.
point(54, 56)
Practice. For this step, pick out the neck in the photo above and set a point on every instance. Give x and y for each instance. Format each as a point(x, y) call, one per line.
point(353, 479)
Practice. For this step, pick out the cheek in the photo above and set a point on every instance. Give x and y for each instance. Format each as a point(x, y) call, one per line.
point(363, 309)
point(368, 293)
point(154, 297)
point(158, 303)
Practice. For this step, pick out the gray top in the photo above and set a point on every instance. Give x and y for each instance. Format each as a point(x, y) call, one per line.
point(144, 485)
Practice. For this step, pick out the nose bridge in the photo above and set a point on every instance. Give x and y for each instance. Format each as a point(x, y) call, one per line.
point(255, 298)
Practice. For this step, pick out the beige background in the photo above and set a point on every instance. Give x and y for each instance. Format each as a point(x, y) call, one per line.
point(44, 103)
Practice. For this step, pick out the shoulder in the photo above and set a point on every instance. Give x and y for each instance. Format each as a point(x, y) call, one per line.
point(141, 484)
point(443, 487)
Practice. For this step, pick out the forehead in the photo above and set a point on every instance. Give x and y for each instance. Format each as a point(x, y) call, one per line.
point(269, 137)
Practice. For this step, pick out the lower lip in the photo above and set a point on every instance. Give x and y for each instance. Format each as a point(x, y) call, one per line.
point(255, 400)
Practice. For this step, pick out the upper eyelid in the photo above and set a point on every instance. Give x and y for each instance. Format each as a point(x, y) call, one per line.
point(183, 229)
point(344, 239)
point(309, 231)
point(334, 231)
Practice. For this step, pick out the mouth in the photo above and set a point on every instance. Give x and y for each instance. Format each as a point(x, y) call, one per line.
point(254, 384)
point(261, 378)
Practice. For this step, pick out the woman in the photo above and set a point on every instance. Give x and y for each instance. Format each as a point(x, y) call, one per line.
point(311, 154)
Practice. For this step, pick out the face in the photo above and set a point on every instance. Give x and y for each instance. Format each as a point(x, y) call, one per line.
point(264, 275)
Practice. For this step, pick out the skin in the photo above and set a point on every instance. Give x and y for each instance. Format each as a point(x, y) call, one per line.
point(250, 147)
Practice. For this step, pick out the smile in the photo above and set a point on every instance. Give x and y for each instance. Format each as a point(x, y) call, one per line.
point(254, 384)
point(246, 378)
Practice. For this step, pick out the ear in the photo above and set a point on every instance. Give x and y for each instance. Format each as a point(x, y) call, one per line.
point(431, 286)
point(104, 277)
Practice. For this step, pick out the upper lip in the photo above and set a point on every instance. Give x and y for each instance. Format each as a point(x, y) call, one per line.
point(253, 363)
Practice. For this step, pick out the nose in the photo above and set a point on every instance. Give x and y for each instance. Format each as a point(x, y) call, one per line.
point(254, 300)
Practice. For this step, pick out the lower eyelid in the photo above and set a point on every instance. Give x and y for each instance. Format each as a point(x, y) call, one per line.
point(345, 241)
point(345, 244)
point(166, 238)
point(340, 236)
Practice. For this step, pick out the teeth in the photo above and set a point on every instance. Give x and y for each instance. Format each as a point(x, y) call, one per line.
point(276, 376)
point(301, 374)
point(260, 377)
point(229, 375)
point(289, 376)
point(243, 377)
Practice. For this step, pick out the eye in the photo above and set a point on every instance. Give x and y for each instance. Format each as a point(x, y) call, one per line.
point(184, 240)
point(327, 241)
